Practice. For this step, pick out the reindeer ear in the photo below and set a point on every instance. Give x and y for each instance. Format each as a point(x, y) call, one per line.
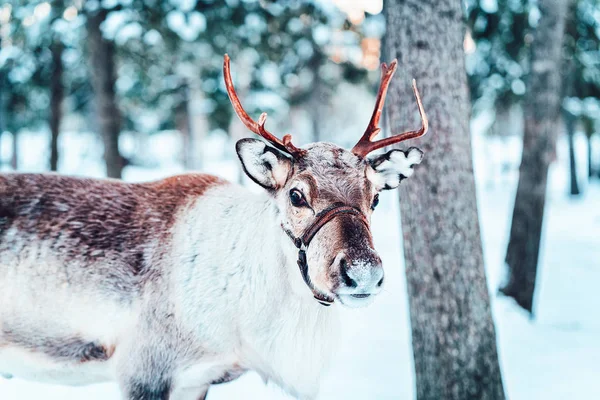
point(264, 164)
point(394, 166)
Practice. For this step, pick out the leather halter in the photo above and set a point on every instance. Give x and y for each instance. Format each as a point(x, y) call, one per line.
point(303, 241)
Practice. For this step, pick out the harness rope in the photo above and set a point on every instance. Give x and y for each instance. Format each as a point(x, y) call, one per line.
point(303, 241)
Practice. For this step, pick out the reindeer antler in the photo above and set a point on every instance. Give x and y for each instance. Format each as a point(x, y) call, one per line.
point(284, 145)
point(366, 144)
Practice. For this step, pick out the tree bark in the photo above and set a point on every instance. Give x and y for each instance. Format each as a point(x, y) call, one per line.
point(570, 128)
point(542, 108)
point(453, 337)
point(102, 68)
point(56, 100)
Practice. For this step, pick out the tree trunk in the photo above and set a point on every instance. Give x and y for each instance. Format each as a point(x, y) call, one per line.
point(102, 68)
point(184, 126)
point(570, 128)
point(589, 157)
point(503, 125)
point(542, 108)
point(453, 337)
point(588, 126)
point(316, 126)
point(14, 160)
point(318, 107)
point(56, 100)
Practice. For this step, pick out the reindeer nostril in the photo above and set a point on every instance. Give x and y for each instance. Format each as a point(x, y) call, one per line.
point(380, 282)
point(344, 272)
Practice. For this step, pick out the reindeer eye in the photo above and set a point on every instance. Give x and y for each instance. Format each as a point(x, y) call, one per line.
point(297, 199)
point(375, 202)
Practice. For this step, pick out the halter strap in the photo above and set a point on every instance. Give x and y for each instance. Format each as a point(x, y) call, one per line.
point(303, 241)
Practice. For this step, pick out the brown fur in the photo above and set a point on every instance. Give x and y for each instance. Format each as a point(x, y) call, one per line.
point(334, 177)
point(91, 220)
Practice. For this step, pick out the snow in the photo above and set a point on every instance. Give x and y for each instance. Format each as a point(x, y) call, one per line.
point(553, 356)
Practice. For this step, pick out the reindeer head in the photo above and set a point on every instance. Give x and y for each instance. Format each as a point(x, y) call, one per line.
point(326, 195)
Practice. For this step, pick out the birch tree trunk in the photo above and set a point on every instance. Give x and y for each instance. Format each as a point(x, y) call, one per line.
point(453, 337)
point(542, 109)
point(102, 68)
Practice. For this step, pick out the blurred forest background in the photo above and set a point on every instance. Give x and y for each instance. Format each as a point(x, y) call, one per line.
point(134, 89)
point(125, 70)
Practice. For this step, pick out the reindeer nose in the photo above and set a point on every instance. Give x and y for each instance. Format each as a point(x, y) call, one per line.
point(361, 275)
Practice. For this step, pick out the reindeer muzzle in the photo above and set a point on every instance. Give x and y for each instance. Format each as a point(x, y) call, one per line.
point(303, 241)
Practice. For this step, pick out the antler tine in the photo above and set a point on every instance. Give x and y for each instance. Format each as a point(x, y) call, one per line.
point(365, 145)
point(293, 150)
point(257, 127)
point(285, 144)
point(386, 77)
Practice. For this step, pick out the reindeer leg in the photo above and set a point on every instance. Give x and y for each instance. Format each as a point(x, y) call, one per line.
point(145, 378)
point(136, 390)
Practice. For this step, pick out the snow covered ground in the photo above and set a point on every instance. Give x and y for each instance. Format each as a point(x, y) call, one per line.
point(554, 356)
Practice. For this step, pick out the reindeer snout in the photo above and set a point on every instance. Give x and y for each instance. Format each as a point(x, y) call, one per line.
point(360, 274)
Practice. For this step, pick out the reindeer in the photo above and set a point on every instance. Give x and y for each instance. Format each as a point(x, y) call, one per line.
point(171, 286)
